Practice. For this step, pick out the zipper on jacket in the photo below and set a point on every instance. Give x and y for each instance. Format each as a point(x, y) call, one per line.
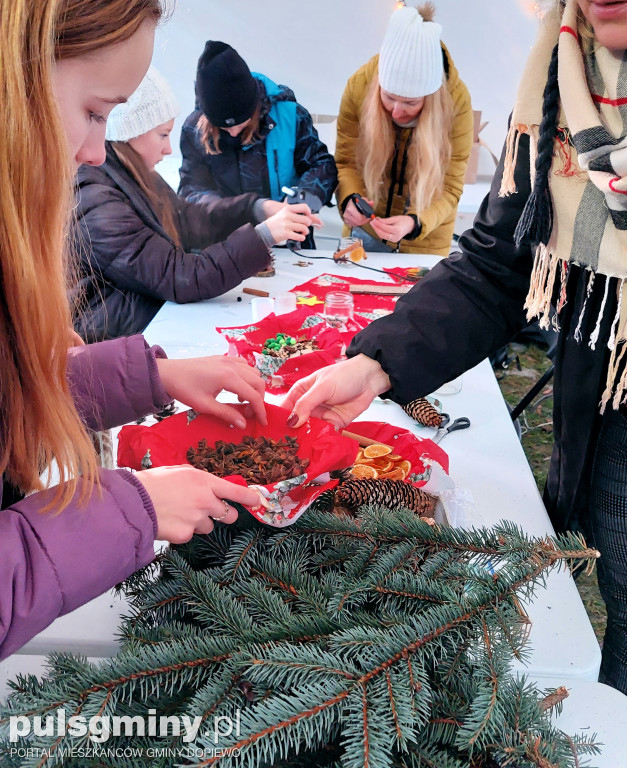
point(401, 182)
point(276, 171)
point(388, 209)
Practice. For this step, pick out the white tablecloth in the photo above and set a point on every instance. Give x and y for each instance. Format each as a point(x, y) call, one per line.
point(487, 459)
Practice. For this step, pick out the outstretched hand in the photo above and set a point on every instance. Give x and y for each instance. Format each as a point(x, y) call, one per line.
point(338, 393)
point(189, 500)
point(197, 381)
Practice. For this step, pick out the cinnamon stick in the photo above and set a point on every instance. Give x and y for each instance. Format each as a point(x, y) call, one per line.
point(364, 441)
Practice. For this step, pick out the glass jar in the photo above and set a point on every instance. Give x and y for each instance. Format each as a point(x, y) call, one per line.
point(352, 248)
point(338, 309)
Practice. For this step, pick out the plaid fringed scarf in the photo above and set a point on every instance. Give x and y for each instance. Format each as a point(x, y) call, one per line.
point(589, 190)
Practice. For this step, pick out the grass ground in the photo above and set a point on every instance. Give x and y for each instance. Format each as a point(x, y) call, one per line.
point(526, 366)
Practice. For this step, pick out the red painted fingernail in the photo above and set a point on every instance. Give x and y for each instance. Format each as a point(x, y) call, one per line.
point(293, 420)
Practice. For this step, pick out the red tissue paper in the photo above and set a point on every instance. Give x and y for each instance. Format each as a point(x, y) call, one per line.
point(368, 307)
point(419, 451)
point(247, 341)
point(167, 443)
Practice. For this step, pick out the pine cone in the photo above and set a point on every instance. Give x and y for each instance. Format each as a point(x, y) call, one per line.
point(385, 493)
point(325, 502)
point(423, 412)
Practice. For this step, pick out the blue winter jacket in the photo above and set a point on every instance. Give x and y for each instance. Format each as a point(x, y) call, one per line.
point(288, 153)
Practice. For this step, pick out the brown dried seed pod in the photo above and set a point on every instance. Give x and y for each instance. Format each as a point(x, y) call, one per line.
point(259, 460)
point(423, 412)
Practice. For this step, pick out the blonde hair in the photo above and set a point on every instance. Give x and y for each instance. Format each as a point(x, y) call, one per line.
point(428, 155)
point(210, 134)
point(429, 151)
point(39, 422)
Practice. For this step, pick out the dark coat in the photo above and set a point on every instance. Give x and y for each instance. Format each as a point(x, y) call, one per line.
point(235, 170)
point(130, 266)
point(471, 304)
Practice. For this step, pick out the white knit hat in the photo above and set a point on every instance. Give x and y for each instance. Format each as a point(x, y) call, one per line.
point(152, 104)
point(410, 60)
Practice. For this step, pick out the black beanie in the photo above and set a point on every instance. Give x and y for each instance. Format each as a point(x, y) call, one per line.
point(226, 91)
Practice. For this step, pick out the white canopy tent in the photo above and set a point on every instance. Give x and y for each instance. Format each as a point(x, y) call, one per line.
point(314, 47)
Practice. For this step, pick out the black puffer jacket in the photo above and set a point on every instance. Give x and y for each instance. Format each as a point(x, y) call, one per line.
point(129, 264)
point(237, 169)
point(470, 305)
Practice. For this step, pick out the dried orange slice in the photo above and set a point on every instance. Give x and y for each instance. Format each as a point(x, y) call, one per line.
point(362, 460)
point(381, 465)
point(394, 457)
point(357, 254)
point(376, 450)
point(364, 471)
point(395, 474)
point(405, 466)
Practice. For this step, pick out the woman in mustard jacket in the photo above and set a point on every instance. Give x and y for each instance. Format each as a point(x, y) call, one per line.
point(404, 136)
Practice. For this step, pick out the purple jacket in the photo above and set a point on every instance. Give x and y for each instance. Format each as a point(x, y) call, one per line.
point(52, 563)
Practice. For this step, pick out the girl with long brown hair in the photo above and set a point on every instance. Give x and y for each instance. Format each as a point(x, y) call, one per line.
point(249, 135)
point(142, 245)
point(64, 64)
point(404, 135)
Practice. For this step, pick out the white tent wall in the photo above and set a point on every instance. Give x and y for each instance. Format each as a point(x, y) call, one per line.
point(314, 47)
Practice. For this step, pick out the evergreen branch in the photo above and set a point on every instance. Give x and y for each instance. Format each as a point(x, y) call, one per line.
point(414, 685)
point(275, 727)
point(366, 743)
point(388, 680)
point(493, 681)
point(304, 667)
point(413, 596)
point(227, 688)
point(239, 552)
point(136, 618)
point(555, 698)
point(378, 639)
point(289, 588)
point(58, 742)
point(384, 528)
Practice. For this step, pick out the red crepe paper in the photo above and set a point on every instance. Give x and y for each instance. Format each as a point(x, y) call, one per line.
point(367, 306)
point(421, 452)
point(169, 440)
point(247, 341)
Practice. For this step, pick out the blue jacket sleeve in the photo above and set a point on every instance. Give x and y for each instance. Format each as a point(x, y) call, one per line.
point(313, 163)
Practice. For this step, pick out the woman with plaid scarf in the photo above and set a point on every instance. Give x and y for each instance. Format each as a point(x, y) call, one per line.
point(553, 230)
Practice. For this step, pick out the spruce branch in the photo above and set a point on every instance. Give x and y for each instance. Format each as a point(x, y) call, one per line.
point(376, 640)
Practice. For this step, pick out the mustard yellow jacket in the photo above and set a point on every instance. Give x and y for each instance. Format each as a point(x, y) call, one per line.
point(438, 219)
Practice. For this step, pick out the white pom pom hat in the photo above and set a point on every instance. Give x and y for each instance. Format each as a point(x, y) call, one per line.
point(410, 60)
point(151, 105)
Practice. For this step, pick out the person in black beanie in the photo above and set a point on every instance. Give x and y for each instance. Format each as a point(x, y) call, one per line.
point(248, 134)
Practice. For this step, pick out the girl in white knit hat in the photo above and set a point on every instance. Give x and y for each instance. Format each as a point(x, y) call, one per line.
point(141, 245)
point(404, 136)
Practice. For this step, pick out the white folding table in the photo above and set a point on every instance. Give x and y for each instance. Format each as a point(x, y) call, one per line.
point(487, 459)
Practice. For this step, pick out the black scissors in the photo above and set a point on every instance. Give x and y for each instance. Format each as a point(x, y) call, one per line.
point(463, 422)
